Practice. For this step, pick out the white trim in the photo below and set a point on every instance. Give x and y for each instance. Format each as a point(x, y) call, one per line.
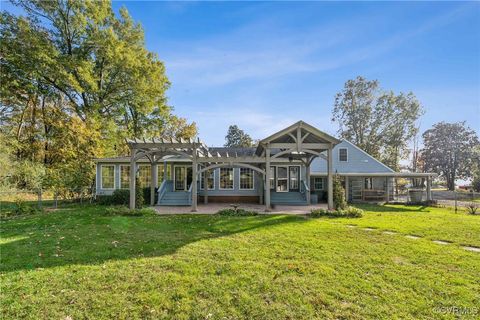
point(240, 179)
point(288, 180)
point(323, 183)
point(342, 148)
point(214, 180)
point(220, 178)
point(101, 176)
point(185, 188)
point(299, 181)
point(120, 176)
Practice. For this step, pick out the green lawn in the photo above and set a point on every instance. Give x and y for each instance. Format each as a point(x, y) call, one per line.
point(81, 263)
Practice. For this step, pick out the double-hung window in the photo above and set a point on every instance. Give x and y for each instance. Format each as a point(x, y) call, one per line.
point(108, 176)
point(318, 183)
point(210, 174)
point(226, 178)
point(343, 154)
point(124, 177)
point(246, 179)
point(144, 176)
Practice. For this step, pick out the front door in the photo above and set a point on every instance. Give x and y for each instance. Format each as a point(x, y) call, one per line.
point(182, 177)
point(282, 179)
point(294, 178)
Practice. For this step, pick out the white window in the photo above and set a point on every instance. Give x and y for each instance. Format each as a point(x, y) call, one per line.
point(107, 173)
point(294, 177)
point(144, 176)
point(343, 154)
point(124, 177)
point(246, 179)
point(210, 179)
point(318, 183)
point(226, 178)
point(272, 177)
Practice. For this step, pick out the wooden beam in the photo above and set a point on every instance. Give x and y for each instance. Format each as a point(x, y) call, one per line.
point(318, 146)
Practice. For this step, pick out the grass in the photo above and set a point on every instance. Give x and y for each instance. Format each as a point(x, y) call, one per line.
point(80, 263)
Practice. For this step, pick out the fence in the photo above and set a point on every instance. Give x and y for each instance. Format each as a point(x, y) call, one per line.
point(43, 199)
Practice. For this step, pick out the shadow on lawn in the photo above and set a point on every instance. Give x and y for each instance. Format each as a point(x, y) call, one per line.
point(391, 208)
point(69, 238)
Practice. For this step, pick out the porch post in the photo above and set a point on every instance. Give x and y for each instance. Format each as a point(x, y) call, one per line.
point(132, 178)
point(267, 179)
point(330, 178)
point(387, 191)
point(429, 188)
point(205, 186)
point(153, 180)
point(307, 177)
point(346, 188)
point(261, 188)
point(165, 171)
point(194, 180)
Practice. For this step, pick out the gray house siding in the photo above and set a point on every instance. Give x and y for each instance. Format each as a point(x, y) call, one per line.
point(358, 161)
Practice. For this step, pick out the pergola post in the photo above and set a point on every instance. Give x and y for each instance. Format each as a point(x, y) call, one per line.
point(330, 179)
point(165, 171)
point(205, 186)
point(429, 188)
point(346, 188)
point(194, 180)
point(267, 179)
point(261, 187)
point(307, 178)
point(132, 178)
point(153, 180)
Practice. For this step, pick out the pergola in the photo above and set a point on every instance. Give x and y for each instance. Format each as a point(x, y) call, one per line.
point(300, 142)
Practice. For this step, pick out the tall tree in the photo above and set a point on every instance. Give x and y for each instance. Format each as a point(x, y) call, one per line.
point(236, 137)
point(76, 80)
point(449, 150)
point(380, 122)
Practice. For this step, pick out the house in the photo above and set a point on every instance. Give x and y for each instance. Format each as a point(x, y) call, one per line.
point(294, 166)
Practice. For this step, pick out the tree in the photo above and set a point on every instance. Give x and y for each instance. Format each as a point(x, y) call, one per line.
point(449, 151)
point(339, 200)
point(237, 138)
point(379, 122)
point(76, 81)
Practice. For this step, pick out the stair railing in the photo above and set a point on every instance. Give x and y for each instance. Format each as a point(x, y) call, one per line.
point(190, 193)
point(304, 189)
point(161, 190)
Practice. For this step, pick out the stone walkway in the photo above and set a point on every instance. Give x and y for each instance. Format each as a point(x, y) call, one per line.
point(212, 208)
point(416, 237)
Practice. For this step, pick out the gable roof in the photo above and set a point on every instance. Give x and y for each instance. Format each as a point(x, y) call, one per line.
point(358, 161)
point(311, 134)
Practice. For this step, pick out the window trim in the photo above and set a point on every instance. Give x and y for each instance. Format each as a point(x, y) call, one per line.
point(214, 180)
point(240, 179)
point(220, 179)
point(120, 176)
point(339, 157)
point(137, 174)
point(314, 183)
point(101, 176)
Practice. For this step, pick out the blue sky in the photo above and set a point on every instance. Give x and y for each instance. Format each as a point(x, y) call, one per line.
point(265, 65)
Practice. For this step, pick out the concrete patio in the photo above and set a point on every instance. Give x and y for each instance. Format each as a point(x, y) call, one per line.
point(212, 208)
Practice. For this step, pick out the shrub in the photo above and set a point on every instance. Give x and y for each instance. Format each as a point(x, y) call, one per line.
point(348, 212)
point(236, 212)
point(121, 197)
point(125, 211)
point(339, 201)
point(472, 208)
point(21, 207)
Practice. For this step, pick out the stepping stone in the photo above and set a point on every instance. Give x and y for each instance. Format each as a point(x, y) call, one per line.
point(441, 242)
point(351, 226)
point(389, 232)
point(368, 229)
point(473, 249)
point(412, 237)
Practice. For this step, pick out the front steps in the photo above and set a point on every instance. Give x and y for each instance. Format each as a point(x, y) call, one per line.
point(287, 199)
point(175, 198)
